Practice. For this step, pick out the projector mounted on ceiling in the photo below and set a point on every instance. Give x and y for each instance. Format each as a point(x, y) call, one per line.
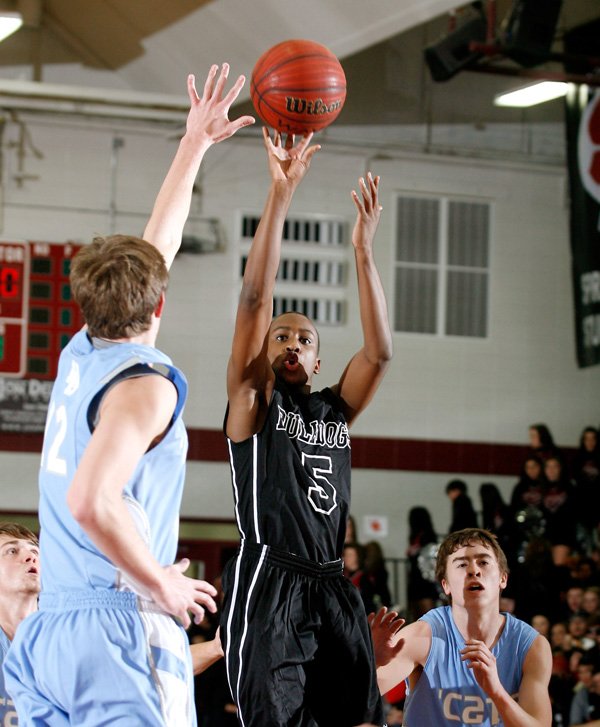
point(525, 38)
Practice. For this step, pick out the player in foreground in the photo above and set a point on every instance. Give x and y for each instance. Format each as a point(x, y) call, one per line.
point(108, 645)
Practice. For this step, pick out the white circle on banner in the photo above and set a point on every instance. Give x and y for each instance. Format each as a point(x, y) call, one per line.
point(588, 147)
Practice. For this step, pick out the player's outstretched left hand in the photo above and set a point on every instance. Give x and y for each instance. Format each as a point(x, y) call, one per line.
point(385, 626)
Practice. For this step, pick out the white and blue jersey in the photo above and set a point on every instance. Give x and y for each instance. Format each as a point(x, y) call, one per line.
point(68, 558)
point(98, 651)
point(446, 692)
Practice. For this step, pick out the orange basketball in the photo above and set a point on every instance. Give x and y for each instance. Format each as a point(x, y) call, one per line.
point(298, 86)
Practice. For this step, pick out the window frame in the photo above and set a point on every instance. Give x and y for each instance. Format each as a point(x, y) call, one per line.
point(442, 266)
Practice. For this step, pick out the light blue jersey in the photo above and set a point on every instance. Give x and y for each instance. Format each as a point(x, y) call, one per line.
point(447, 692)
point(8, 713)
point(68, 558)
point(98, 651)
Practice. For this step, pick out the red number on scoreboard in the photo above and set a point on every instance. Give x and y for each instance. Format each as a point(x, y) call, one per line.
point(9, 282)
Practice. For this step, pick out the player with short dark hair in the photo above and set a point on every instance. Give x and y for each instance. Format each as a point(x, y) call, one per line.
point(297, 644)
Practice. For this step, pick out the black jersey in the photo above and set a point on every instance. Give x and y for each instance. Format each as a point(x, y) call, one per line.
point(291, 480)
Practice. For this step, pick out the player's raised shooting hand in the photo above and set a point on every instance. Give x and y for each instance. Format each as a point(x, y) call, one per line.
point(288, 162)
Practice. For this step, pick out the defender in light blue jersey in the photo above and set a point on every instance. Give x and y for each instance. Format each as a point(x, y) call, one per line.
point(19, 588)
point(108, 644)
point(467, 663)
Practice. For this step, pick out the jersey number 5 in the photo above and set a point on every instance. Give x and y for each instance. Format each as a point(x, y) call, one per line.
point(322, 494)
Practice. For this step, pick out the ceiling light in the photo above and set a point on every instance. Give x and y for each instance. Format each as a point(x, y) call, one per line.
point(532, 95)
point(9, 22)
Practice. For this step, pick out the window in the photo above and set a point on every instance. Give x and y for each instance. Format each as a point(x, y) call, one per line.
point(441, 280)
point(313, 271)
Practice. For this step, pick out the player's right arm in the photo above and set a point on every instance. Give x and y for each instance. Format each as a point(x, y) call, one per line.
point(249, 374)
point(399, 650)
point(134, 414)
point(532, 707)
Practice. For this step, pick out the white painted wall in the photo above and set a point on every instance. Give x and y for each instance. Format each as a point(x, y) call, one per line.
point(453, 389)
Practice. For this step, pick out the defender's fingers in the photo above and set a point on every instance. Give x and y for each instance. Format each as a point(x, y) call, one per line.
point(209, 83)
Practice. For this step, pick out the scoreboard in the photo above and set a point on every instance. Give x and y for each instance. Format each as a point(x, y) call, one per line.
point(37, 313)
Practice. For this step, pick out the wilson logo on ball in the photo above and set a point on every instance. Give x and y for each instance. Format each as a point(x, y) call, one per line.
point(302, 106)
point(298, 86)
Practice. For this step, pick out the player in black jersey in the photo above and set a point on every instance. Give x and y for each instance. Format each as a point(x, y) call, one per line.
point(297, 644)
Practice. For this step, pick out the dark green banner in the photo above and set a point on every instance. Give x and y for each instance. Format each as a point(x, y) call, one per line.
point(583, 156)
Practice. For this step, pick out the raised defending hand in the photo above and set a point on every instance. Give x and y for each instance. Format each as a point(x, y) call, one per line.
point(209, 115)
point(369, 211)
point(288, 163)
point(385, 626)
point(179, 594)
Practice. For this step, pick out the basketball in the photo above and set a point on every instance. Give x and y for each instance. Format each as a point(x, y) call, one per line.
point(298, 86)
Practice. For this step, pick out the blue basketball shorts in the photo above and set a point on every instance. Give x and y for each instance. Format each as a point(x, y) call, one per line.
point(100, 657)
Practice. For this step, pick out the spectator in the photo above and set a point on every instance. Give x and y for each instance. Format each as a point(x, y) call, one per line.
point(496, 516)
point(351, 532)
point(529, 488)
point(577, 638)
point(538, 583)
point(422, 591)
point(558, 507)
point(463, 513)
point(353, 556)
point(594, 634)
point(581, 708)
point(584, 571)
point(541, 623)
point(590, 601)
point(560, 683)
point(558, 635)
point(541, 442)
point(377, 575)
point(585, 469)
point(572, 601)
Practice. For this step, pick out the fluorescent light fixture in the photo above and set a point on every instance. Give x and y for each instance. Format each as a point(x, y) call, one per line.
point(58, 98)
point(532, 95)
point(9, 23)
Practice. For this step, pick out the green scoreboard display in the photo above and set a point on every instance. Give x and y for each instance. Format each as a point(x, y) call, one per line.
point(37, 313)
